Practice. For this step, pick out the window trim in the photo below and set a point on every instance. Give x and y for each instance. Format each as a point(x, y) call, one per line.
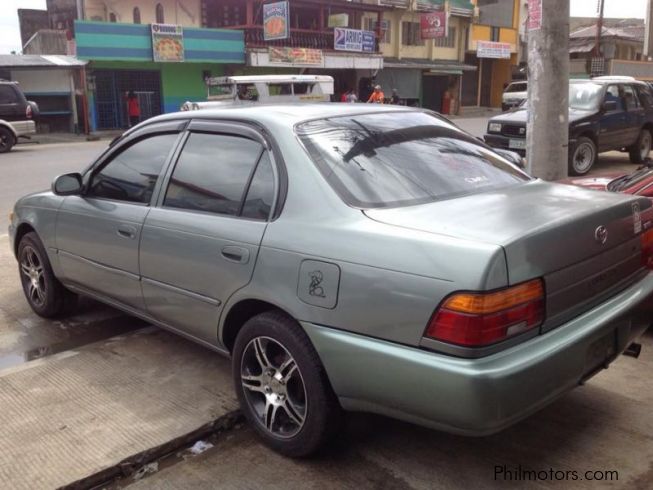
point(132, 139)
point(236, 129)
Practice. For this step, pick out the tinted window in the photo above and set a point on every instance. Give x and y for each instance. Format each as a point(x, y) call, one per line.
point(630, 98)
point(645, 96)
point(132, 173)
point(303, 88)
point(612, 95)
point(7, 95)
point(280, 89)
point(517, 87)
point(402, 158)
point(261, 191)
point(212, 173)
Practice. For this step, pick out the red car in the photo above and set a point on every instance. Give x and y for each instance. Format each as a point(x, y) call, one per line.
point(639, 182)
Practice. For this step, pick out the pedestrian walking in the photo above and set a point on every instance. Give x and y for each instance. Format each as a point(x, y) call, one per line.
point(394, 99)
point(377, 96)
point(133, 109)
point(352, 97)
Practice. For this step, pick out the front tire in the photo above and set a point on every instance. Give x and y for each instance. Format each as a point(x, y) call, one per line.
point(43, 291)
point(7, 140)
point(582, 156)
point(640, 150)
point(282, 387)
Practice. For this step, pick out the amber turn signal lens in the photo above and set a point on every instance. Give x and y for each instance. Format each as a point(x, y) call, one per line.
point(479, 304)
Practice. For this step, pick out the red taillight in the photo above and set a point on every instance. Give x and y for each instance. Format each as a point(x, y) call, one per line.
point(28, 112)
point(478, 319)
point(646, 240)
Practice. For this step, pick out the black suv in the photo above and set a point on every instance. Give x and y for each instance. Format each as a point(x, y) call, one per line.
point(605, 114)
point(17, 115)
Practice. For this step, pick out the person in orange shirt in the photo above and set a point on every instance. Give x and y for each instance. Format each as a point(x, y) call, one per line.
point(377, 96)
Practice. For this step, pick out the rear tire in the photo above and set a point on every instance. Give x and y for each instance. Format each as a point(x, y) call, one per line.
point(282, 386)
point(640, 150)
point(7, 140)
point(43, 291)
point(582, 156)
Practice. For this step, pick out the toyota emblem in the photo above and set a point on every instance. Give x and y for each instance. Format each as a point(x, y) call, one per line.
point(601, 234)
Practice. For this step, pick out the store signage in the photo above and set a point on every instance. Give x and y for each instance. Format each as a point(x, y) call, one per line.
point(353, 40)
point(276, 21)
point(296, 56)
point(338, 20)
point(167, 43)
point(489, 49)
point(434, 24)
point(534, 15)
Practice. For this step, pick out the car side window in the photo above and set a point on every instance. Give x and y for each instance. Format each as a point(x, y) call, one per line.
point(631, 98)
point(132, 173)
point(212, 173)
point(645, 96)
point(260, 194)
point(7, 95)
point(612, 95)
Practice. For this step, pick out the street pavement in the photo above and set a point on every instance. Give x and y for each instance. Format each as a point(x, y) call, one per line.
point(102, 394)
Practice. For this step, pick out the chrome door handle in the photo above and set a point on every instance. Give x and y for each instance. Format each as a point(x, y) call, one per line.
point(235, 254)
point(126, 231)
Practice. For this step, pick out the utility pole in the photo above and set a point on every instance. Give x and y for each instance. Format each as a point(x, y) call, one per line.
point(599, 29)
point(547, 133)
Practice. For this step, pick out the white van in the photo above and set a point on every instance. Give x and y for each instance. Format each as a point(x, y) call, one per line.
point(265, 89)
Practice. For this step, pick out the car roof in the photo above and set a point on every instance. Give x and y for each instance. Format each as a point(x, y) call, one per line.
point(271, 78)
point(284, 113)
point(607, 80)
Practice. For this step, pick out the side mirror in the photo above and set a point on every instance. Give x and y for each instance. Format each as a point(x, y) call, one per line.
point(610, 105)
point(67, 185)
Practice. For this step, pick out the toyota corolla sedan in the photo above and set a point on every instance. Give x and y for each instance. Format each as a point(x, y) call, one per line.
point(371, 259)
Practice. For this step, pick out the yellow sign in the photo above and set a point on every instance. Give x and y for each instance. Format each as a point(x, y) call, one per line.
point(296, 56)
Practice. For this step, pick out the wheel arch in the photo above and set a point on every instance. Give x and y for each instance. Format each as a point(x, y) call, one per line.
point(239, 313)
point(22, 230)
point(5, 124)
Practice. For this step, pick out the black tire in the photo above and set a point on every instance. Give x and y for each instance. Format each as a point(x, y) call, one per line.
point(321, 414)
point(50, 298)
point(7, 140)
point(582, 156)
point(640, 150)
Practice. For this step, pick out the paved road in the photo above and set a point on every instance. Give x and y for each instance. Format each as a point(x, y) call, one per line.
point(31, 168)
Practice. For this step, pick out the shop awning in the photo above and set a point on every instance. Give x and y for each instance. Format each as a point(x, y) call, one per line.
point(444, 67)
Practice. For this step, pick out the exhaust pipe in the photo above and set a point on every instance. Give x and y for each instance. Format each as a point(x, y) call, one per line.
point(633, 350)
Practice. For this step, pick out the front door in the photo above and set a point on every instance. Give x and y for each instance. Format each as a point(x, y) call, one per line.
point(200, 243)
point(613, 122)
point(98, 233)
point(635, 115)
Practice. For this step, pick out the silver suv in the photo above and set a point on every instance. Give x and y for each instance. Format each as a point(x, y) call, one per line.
point(16, 115)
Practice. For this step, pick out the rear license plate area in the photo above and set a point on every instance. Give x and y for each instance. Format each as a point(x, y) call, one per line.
point(600, 354)
point(517, 144)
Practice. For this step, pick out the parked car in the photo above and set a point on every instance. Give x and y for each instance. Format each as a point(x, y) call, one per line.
point(605, 114)
point(358, 257)
point(514, 94)
point(17, 115)
point(639, 183)
point(263, 89)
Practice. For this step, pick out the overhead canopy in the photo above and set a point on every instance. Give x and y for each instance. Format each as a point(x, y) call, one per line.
point(39, 61)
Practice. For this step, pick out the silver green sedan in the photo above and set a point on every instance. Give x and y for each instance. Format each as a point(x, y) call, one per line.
point(348, 257)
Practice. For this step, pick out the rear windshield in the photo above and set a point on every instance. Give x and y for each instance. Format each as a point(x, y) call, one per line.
point(516, 87)
point(402, 158)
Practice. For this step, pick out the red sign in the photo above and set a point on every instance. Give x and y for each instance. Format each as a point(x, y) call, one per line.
point(433, 24)
point(534, 15)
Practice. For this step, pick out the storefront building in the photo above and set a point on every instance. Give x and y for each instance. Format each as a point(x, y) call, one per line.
point(493, 49)
point(425, 67)
point(164, 65)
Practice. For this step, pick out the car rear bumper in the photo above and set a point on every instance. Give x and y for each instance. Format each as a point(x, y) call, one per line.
point(500, 141)
point(23, 128)
point(486, 395)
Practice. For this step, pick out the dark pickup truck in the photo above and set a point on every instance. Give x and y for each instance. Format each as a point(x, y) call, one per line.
point(605, 114)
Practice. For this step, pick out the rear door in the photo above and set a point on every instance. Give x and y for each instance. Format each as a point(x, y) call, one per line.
point(199, 245)
point(636, 114)
point(98, 233)
point(12, 107)
point(613, 126)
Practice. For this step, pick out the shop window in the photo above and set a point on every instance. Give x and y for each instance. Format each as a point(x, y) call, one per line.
point(112, 18)
point(411, 34)
point(137, 15)
point(371, 25)
point(160, 18)
point(494, 34)
point(446, 42)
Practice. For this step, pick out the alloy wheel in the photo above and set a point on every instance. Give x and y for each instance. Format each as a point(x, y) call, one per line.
point(31, 268)
point(273, 387)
